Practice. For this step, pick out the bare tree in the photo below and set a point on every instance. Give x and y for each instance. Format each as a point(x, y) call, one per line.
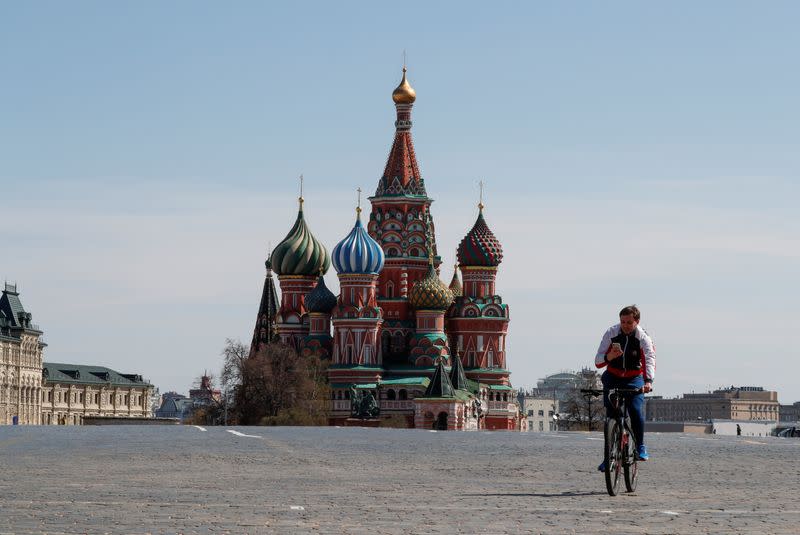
point(582, 411)
point(275, 386)
point(234, 358)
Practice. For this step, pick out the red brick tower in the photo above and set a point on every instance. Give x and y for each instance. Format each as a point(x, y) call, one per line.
point(478, 320)
point(399, 221)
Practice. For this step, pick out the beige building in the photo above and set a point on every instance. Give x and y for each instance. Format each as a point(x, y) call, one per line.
point(21, 347)
point(33, 392)
point(734, 403)
point(540, 412)
point(72, 391)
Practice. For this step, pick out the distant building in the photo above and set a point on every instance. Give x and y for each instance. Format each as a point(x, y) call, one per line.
point(789, 413)
point(557, 395)
point(563, 385)
point(174, 405)
point(155, 400)
point(21, 348)
point(540, 412)
point(72, 391)
point(748, 403)
point(205, 394)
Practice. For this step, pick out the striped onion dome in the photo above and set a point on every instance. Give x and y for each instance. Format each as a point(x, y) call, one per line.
point(300, 253)
point(480, 247)
point(320, 299)
point(358, 252)
point(455, 284)
point(430, 293)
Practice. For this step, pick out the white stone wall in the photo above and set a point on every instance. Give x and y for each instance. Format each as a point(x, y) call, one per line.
point(20, 380)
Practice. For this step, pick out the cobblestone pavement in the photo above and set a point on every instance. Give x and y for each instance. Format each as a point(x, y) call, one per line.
point(174, 479)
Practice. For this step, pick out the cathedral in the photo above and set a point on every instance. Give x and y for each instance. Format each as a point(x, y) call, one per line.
point(427, 354)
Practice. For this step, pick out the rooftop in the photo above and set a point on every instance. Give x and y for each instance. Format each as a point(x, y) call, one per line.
point(54, 372)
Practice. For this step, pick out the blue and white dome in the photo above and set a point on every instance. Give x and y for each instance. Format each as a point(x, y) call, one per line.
point(358, 253)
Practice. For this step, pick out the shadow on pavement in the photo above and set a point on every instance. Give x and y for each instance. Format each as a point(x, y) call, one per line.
point(542, 494)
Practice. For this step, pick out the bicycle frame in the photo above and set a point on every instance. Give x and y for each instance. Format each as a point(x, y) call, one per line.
point(619, 444)
point(620, 456)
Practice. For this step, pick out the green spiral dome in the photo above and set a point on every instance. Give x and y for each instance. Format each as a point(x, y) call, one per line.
point(300, 253)
point(430, 293)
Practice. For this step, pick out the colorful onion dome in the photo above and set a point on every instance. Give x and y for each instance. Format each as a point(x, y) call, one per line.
point(404, 93)
point(358, 252)
point(480, 247)
point(455, 283)
point(300, 253)
point(320, 299)
point(430, 293)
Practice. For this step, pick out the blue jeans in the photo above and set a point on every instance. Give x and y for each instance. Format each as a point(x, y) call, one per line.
point(635, 402)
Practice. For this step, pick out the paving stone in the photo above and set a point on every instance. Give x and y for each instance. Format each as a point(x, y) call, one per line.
point(356, 481)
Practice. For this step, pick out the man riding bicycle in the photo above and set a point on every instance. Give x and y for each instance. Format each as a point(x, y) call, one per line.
point(629, 357)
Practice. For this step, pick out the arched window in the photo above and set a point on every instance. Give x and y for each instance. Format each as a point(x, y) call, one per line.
point(441, 422)
point(386, 340)
point(398, 343)
point(403, 394)
point(391, 395)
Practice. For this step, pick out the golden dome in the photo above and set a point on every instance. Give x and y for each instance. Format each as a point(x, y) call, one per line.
point(430, 293)
point(404, 94)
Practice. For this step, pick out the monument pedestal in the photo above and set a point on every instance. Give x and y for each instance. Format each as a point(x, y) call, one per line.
point(358, 422)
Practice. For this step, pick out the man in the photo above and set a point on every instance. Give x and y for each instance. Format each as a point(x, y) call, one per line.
point(629, 357)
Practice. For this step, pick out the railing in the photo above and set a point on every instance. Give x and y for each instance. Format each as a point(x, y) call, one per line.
point(500, 406)
point(341, 404)
point(402, 404)
point(344, 405)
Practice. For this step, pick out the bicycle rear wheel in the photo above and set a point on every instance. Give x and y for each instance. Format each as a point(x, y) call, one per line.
point(613, 455)
point(630, 465)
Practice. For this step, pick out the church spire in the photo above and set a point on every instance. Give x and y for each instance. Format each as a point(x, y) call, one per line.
point(440, 385)
point(401, 177)
point(265, 331)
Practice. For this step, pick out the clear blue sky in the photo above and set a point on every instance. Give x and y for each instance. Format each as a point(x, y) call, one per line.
point(633, 152)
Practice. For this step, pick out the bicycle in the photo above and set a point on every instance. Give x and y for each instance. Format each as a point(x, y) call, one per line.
point(620, 444)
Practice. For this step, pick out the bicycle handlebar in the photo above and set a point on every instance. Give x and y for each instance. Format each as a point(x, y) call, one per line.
point(595, 392)
point(626, 390)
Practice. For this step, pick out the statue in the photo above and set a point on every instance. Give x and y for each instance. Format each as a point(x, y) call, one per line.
point(363, 404)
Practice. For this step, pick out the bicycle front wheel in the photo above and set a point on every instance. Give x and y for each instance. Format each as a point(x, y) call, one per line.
point(613, 455)
point(630, 465)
